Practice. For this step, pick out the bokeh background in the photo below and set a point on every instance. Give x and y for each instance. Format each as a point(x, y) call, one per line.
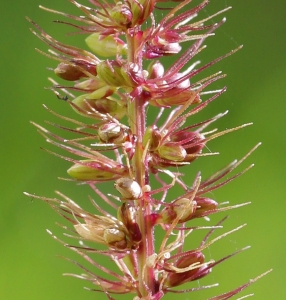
point(29, 268)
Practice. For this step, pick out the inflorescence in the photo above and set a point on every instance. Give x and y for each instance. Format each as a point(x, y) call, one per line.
point(112, 85)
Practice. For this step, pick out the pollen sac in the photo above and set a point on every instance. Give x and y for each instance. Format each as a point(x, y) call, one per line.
point(89, 170)
point(172, 151)
point(204, 206)
point(105, 45)
point(182, 208)
point(111, 133)
point(193, 261)
point(128, 188)
point(127, 214)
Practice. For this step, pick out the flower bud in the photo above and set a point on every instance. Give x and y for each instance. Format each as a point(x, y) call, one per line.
point(127, 214)
point(111, 133)
point(178, 278)
point(90, 84)
point(177, 97)
point(121, 14)
point(171, 36)
point(204, 205)
point(115, 237)
point(183, 207)
point(128, 188)
point(97, 102)
point(176, 91)
point(189, 259)
point(193, 143)
point(172, 151)
point(99, 93)
point(132, 74)
point(153, 136)
point(68, 72)
point(90, 232)
point(95, 171)
point(155, 70)
point(156, 51)
point(100, 234)
point(105, 45)
point(110, 72)
point(141, 9)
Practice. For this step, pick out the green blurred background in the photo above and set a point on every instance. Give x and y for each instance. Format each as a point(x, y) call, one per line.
point(29, 268)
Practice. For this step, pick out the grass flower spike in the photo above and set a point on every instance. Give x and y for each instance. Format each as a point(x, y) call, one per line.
point(138, 135)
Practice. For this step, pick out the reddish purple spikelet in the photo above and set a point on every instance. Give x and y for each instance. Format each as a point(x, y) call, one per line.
point(112, 85)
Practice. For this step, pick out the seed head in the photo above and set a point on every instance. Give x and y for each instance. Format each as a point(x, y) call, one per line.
point(115, 84)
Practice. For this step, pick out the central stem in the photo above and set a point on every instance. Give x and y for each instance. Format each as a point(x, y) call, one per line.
point(137, 122)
